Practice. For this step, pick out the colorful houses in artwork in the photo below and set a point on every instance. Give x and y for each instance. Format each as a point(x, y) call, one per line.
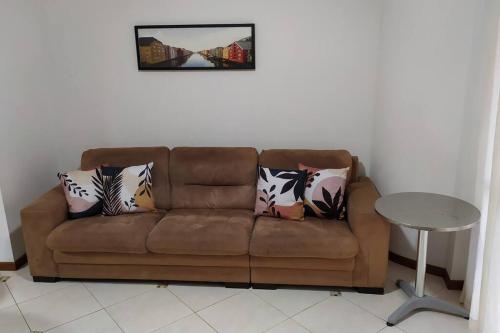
point(239, 52)
point(152, 51)
point(225, 53)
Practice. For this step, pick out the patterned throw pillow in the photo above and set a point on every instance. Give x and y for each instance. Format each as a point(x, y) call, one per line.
point(324, 193)
point(83, 191)
point(127, 190)
point(280, 193)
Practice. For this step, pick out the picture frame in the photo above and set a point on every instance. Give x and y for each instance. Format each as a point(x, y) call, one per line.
point(195, 47)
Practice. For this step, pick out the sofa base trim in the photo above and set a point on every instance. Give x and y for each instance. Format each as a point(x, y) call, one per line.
point(370, 290)
point(237, 285)
point(265, 286)
point(47, 279)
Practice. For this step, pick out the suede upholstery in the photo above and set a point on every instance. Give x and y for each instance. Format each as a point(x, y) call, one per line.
point(310, 238)
point(213, 177)
point(109, 234)
point(372, 232)
point(38, 219)
point(321, 159)
point(306, 277)
point(158, 273)
point(210, 234)
point(154, 259)
point(124, 157)
point(303, 263)
point(203, 232)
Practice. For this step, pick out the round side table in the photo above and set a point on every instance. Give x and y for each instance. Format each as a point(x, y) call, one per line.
point(425, 212)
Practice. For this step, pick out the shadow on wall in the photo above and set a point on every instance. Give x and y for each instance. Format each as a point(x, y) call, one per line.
point(17, 241)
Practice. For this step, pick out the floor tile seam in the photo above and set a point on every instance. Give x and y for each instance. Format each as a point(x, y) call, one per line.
point(104, 308)
point(18, 308)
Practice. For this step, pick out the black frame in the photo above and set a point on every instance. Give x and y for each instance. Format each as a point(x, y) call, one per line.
point(142, 68)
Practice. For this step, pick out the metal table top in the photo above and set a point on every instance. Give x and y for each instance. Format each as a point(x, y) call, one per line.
point(428, 211)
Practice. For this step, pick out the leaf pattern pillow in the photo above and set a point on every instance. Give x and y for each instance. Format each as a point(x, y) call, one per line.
point(280, 193)
point(83, 192)
point(324, 193)
point(127, 190)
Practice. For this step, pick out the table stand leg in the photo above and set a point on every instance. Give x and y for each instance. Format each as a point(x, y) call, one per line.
point(417, 298)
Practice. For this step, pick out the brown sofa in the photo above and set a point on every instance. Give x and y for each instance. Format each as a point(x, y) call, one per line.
point(205, 229)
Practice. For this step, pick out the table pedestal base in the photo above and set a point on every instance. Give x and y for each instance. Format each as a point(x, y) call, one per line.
point(422, 303)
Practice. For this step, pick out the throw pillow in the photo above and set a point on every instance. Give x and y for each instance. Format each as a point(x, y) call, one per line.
point(83, 192)
point(324, 193)
point(280, 193)
point(127, 189)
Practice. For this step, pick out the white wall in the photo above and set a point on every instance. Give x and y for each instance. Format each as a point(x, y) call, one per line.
point(28, 129)
point(71, 82)
point(314, 85)
point(6, 254)
point(423, 82)
point(478, 138)
point(384, 79)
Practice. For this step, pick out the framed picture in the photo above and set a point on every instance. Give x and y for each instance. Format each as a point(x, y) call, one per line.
point(195, 47)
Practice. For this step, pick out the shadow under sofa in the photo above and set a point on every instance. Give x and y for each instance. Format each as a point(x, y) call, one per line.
point(205, 229)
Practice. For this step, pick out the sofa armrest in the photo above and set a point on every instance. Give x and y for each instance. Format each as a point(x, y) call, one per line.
point(38, 219)
point(372, 232)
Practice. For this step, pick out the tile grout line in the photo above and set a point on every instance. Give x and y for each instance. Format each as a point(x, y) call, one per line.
point(299, 324)
point(240, 293)
point(103, 308)
point(11, 296)
point(18, 308)
point(296, 314)
point(367, 311)
point(44, 294)
point(80, 317)
point(123, 300)
point(194, 312)
point(206, 322)
point(206, 307)
point(268, 303)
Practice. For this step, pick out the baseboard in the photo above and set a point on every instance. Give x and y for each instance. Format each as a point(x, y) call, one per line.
point(431, 269)
point(14, 266)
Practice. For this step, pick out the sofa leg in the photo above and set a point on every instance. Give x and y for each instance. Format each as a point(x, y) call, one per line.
point(237, 285)
point(266, 286)
point(370, 290)
point(50, 279)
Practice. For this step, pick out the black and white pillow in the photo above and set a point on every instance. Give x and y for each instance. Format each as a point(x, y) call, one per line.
point(128, 190)
point(83, 191)
point(280, 193)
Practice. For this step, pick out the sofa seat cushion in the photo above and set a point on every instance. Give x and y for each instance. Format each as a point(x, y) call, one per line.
point(310, 238)
point(203, 232)
point(111, 234)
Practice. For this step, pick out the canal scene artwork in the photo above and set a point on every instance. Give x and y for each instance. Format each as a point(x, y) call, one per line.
point(196, 47)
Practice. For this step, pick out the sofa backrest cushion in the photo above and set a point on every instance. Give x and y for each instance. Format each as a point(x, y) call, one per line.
point(321, 159)
point(123, 157)
point(204, 177)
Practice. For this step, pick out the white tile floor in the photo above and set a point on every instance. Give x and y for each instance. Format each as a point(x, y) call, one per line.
point(114, 307)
